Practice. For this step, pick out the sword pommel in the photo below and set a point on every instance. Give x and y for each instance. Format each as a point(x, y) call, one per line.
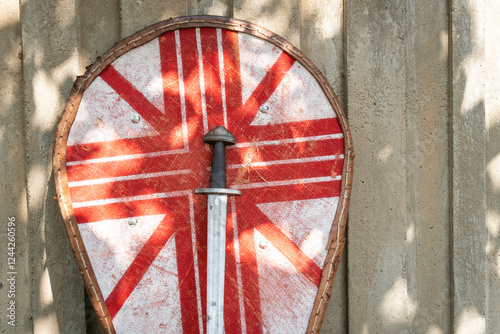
point(219, 137)
point(220, 134)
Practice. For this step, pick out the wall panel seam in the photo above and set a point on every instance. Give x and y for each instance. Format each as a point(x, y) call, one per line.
point(450, 162)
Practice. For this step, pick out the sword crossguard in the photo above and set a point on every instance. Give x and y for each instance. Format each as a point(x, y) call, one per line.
point(219, 137)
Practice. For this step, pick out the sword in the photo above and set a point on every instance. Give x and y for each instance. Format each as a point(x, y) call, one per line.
point(216, 234)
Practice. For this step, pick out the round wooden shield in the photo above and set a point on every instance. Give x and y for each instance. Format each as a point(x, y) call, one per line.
point(129, 153)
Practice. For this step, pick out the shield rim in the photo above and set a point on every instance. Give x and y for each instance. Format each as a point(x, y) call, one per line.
point(336, 239)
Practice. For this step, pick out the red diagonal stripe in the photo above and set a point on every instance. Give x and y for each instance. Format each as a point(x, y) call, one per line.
point(292, 252)
point(140, 265)
point(264, 90)
point(136, 100)
point(305, 265)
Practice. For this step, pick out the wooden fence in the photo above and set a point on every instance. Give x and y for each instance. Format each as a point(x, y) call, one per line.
point(419, 80)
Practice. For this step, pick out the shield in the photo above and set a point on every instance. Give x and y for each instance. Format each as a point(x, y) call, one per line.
point(129, 153)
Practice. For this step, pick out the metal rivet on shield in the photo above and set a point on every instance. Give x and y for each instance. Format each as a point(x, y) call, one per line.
point(263, 244)
point(136, 118)
point(132, 221)
point(264, 109)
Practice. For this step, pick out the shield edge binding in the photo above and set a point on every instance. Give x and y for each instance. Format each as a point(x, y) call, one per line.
point(336, 239)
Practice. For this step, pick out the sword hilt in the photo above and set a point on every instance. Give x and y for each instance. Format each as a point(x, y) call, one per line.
point(219, 137)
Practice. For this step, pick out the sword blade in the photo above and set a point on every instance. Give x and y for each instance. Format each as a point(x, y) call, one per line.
point(216, 253)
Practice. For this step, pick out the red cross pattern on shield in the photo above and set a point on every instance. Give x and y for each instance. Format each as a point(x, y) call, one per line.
point(134, 154)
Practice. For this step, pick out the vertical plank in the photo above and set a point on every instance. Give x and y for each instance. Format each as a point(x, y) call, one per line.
point(427, 167)
point(98, 28)
point(14, 258)
point(469, 188)
point(492, 52)
point(281, 17)
point(322, 40)
point(376, 89)
point(138, 14)
point(210, 7)
point(50, 65)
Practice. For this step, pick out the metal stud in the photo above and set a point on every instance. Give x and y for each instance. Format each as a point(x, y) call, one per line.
point(264, 109)
point(132, 221)
point(135, 118)
point(263, 244)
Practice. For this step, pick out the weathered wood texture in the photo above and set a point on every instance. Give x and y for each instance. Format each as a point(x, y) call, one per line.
point(475, 114)
point(376, 100)
point(397, 75)
point(50, 65)
point(419, 80)
point(13, 175)
point(427, 167)
point(492, 105)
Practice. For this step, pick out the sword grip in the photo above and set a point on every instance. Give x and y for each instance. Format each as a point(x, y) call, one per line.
point(218, 176)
